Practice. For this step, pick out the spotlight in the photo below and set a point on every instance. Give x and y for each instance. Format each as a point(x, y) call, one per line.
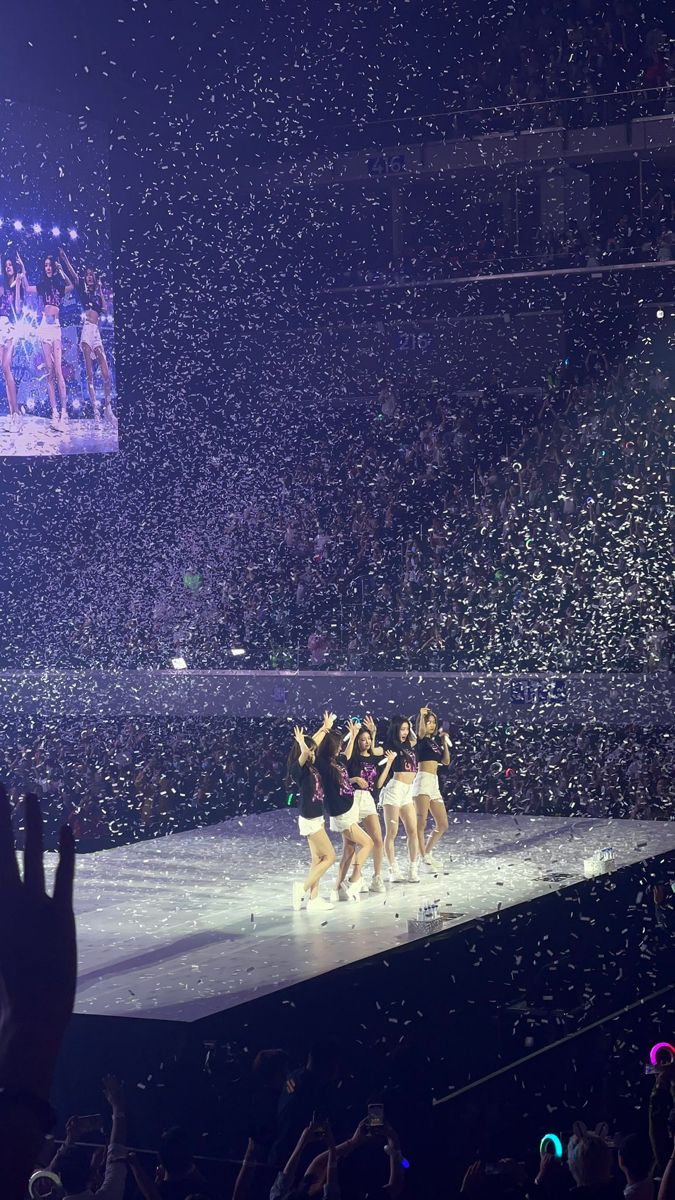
point(18, 225)
point(37, 228)
point(237, 651)
point(178, 663)
point(72, 234)
point(56, 232)
point(660, 314)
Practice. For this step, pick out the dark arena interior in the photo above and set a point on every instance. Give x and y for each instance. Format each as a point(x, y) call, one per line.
point(336, 645)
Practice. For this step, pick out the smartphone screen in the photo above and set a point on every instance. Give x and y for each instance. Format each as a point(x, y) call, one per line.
point(91, 1123)
point(375, 1115)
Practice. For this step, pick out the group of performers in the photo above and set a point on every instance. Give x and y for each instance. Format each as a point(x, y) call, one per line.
point(58, 278)
point(340, 777)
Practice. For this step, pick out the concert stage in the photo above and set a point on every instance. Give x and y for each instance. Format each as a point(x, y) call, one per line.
point(187, 926)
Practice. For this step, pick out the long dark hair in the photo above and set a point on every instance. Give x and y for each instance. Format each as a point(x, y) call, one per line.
point(89, 270)
point(358, 750)
point(293, 756)
point(9, 283)
point(326, 756)
point(56, 277)
point(394, 732)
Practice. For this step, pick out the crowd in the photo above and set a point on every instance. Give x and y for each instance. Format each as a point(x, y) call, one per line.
point(634, 237)
point(442, 538)
point(117, 781)
point(551, 52)
point(289, 1115)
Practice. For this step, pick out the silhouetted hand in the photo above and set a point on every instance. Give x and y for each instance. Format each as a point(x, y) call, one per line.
point(38, 963)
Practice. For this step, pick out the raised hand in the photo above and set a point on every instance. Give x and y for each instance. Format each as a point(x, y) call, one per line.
point(38, 964)
point(390, 755)
point(299, 736)
point(353, 728)
point(329, 719)
point(369, 724)
point(362, 1132)
point(113, 1090)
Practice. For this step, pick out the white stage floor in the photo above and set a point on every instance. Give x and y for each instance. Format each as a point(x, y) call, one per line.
point(186, 926)
point(35, 437)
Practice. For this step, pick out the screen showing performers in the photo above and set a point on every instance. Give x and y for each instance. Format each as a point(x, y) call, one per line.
point(57, 386)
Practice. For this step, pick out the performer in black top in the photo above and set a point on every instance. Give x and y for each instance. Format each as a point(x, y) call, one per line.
point(363, 772)
point(51, 289)
point(433, 751)
point(10, 307)
point(344, 810)
point(90, 295)
point(396, 783)
point(302, 775)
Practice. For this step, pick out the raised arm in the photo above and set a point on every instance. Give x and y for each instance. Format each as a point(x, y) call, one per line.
point(69, 285)
point(304, 749)
point(353, 731)
point(37, 941)
point(16, 288)
point(29, 288)
point(446, 748)
point(369, 724)
point(421, 723)
point(325, 727)
point(113, 1091)
point(69, 268)
point(396, 1181)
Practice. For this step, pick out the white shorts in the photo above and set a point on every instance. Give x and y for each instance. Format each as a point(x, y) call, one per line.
point(308, 825)
point(366, 804)
point(91, 336)
point(426, 784)
point(346, 820)
point(6, 331)
point(49, 331)
point(396, 793)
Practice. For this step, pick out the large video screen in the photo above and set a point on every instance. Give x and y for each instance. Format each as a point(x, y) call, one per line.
point(57, 383)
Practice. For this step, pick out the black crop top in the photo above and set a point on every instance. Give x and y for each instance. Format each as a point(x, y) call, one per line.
point(90, 298)
point(51, 291)
point(430, 749)
point(405, 761)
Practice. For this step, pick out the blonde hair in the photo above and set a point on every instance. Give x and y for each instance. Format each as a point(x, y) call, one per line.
point(589, 1159)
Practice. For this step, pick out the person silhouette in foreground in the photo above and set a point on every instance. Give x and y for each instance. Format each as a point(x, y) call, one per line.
point(38, 970)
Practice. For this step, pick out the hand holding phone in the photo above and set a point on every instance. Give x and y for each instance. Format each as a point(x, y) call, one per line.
point(89, 1123)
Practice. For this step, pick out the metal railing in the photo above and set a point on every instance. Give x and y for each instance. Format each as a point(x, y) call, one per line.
point(601, 108)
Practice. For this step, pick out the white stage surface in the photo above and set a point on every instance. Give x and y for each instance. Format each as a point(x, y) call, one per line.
point(186, 926)
point(35, 437)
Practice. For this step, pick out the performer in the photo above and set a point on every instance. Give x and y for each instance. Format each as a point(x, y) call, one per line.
point(51, 289)
point(344, 811)
point(10, 308)
point(363, 773)
point(302, 773)
point(90, 296)
point(432, 750)
point(396, 784)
